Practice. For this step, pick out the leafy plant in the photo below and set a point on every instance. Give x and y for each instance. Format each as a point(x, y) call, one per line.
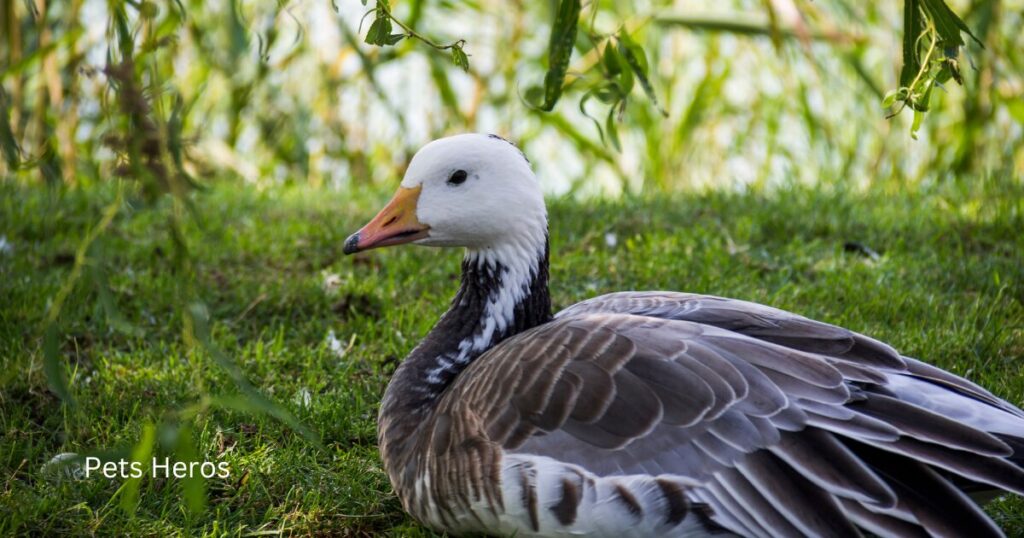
point(932, 39)
point(380, 34)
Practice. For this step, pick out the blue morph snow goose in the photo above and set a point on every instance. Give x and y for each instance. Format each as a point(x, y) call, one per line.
point(657, 413)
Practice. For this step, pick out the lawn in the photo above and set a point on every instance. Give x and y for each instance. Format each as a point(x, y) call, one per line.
point(937, 270)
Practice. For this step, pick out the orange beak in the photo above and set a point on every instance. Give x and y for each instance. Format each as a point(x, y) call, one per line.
point(394, 225)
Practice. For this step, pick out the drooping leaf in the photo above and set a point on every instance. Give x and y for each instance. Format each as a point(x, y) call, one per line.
point(125, 40)
point(916, 125)
point(611, 60)
point(932, 37)
point(583, 110)
point(912, 28)
point(609, 93)
point(534, 94)
point(193, 485)
point(612, 129)
point(142, 453)
point(379, 31)
point(635, 57)
point(560, 45)
point(459, 58)
point(948, 24)
point(618, 68)
point(890, 98)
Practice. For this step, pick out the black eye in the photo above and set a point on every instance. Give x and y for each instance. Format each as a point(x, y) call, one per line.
point(458, 177)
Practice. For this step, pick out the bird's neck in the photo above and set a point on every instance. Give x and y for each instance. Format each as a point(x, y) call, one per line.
point(504, 291)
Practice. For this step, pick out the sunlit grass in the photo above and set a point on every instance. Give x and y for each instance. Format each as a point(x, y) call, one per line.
point(947, 286)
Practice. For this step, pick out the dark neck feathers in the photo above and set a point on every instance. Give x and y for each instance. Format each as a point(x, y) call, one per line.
point(489, 307)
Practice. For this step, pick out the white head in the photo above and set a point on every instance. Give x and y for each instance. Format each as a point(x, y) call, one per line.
point(472, 190)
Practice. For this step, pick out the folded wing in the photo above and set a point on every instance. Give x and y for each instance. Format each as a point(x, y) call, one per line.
point(777, 424)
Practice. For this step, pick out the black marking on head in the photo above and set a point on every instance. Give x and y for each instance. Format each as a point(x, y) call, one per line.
point(496, 137)
point(676, 503)
point(627, 498)
point(565, 509)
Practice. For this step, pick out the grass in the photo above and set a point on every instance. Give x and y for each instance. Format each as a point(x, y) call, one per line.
point(947, 286)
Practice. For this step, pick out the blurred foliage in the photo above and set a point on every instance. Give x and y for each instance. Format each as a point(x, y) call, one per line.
point(159, 98)
point(342, 93)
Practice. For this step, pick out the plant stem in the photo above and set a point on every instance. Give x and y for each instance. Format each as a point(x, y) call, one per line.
point(416, 35)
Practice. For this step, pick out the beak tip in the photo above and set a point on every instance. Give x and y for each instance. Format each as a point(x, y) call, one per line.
point(351, 244)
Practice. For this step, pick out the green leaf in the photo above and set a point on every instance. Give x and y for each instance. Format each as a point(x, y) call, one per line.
point(379, 31)
point(609, 93)
point(560, 45)
point(394, 38)
point(890, 98)
point(633, 52)
point(612, 129)
point(611, 60)
point(912, 28)
point(193, 485)
point(634, 55)
point(918, 118)
point(948, 24)
point(142, 453)
point(534, 94)
point(459, 58)
point(626, 80)
point(616, 64)
point(583, 110)
point(125, 39)
point(919, 101)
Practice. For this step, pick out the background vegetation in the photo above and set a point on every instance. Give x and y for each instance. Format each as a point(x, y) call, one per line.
point(178, 176)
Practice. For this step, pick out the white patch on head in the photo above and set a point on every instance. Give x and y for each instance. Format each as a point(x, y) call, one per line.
point(499, 201)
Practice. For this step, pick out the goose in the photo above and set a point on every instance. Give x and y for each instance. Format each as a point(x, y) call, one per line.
point(656, 413)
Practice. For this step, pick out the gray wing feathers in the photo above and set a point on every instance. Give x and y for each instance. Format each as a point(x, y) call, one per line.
point(751, 319)
point(792, 426)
